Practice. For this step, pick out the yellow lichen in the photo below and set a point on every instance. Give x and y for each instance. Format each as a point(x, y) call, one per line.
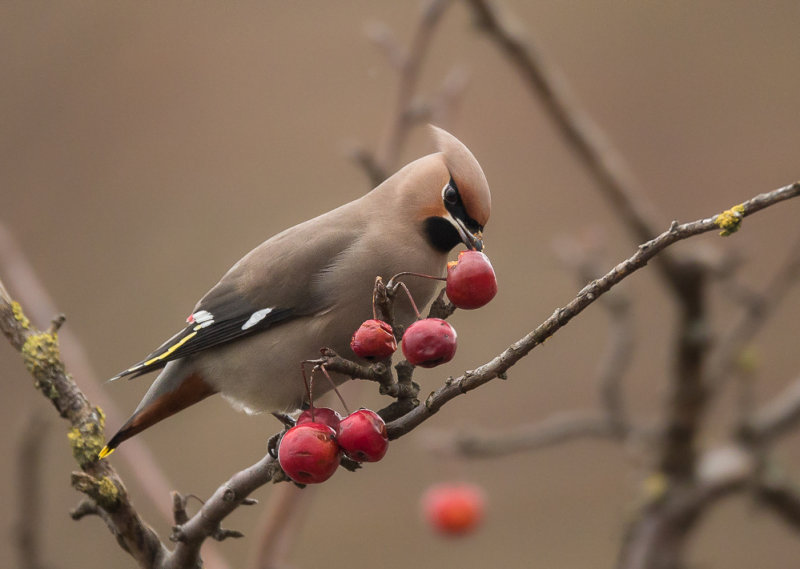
point(102, 490)
point(101, 417)
point(107, 494)
point(40, 353)
point(86, 441)
point(42, 358)
point(19, 316)
point(655, 486)
point(730, 220)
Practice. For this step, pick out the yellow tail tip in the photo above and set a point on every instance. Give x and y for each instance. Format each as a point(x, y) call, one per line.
point(105, 452)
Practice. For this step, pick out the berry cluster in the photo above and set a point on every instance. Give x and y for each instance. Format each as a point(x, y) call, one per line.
point(429, 342)
point(310, 451)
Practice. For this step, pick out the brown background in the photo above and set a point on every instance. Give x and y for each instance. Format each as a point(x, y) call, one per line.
point(146, 146)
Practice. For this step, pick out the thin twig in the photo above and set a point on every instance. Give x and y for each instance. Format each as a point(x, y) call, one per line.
point(389, 148)
point(519, 349)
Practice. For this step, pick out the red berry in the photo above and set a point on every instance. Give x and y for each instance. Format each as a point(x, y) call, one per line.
point(308, 453)
point(323, 415)
point(373, 340)
point(471, 282)
point(454, 508)
point(362, 436)
point(429, 342)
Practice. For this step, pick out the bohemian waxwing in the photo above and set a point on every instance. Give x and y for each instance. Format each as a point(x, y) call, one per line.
point(310, 287)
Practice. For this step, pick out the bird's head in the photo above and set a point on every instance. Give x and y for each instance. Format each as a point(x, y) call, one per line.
point(458, 212)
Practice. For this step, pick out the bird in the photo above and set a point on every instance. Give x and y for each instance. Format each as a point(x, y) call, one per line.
point(310, 287)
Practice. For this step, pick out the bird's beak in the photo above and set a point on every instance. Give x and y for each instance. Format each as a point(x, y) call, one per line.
point(471, 240)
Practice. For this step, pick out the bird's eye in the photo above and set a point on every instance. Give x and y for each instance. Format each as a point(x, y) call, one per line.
point(450, 194)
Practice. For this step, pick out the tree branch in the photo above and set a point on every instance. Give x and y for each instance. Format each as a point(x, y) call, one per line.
point(31, 292)
point(98, 480)
point(499, 365)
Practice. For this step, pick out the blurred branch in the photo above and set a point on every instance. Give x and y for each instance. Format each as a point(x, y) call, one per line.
point(557, 429)
point(782, 498)
point(600, 158)
point(656, 538)
point(776, 418)
point(758, 309)
point(30, 492)
point(408, 110)
point(584, 257)
point(279, 525)
point(410, 67)
point(688, 395)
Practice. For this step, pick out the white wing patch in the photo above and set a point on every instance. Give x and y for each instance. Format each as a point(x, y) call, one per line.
point(203, 318)
point(256, 317)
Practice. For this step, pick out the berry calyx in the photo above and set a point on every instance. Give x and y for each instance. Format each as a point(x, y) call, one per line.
point(429, 342)
point(374, 340)
point(454, 509)
point(362, 436)
point(324, 415)
point(471, 282)
point(308, 453)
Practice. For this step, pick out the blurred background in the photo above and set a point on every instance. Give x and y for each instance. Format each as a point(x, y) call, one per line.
point(146, 147)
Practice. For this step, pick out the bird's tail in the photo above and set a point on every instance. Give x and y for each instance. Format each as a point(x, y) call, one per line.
point(165, 398)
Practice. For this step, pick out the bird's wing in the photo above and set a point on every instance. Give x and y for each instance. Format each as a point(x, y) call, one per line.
point(205, 331)
point(271, 284)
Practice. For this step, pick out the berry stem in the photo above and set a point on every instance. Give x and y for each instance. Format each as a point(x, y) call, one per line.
point(410, 298)
point(413, 274)
point(394, 282)
point(335, 388)
point(309, 387)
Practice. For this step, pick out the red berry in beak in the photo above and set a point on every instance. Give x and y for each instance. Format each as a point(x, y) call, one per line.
point(471, 282)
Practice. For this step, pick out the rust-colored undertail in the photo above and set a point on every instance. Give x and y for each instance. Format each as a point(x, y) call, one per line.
point(191, 390)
